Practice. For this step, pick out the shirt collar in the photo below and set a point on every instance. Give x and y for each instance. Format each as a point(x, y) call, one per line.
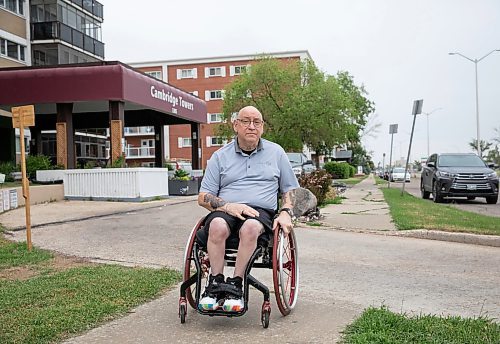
point(237, 148)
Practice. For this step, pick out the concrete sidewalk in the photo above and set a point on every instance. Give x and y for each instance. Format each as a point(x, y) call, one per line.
point(364, 209)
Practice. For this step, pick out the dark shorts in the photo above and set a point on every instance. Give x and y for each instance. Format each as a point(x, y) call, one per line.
point(265, 217)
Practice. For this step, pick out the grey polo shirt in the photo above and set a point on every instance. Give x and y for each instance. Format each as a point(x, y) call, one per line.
point(253, 179)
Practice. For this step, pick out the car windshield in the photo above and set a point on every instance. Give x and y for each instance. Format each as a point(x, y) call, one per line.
point(399, 170)
point(468, 160)
point(295, 158)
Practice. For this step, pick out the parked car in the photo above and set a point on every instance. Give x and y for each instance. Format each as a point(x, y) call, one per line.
point(458, 175)
point(398, 175)
point(300, 163)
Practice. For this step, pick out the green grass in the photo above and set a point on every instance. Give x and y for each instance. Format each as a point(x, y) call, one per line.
point(14, 254)
point(382, 326)
point(53, 304)
point(336, 200)
point(409, 212)
point(351, 181)
point(380, 181)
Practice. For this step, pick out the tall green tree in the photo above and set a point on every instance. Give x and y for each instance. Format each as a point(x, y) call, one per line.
point(485, 145)
point(300, 104)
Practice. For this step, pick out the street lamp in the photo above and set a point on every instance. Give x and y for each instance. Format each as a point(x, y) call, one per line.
point(427, 114)
point(476, 61)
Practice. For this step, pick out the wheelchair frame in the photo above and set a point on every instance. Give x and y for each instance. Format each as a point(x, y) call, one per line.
point(280, 257)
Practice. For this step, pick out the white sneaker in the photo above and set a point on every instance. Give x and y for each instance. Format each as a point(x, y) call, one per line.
point(208, 303)
point(233, 305)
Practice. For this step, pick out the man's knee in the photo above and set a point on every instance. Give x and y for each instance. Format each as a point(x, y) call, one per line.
point(251, 230)
point(218, 230)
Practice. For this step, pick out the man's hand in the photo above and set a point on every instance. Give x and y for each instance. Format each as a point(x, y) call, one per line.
point(285, 221)
point(238, 210)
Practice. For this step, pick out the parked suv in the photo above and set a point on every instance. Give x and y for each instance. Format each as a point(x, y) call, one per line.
point(458, 175)
point(300, 163)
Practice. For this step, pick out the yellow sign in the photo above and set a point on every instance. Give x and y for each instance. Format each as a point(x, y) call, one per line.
point(23, 116)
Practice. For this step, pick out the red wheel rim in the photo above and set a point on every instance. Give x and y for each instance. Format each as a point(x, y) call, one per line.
point(189, 265)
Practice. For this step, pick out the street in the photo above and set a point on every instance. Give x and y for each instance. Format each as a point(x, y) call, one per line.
point(341, 273)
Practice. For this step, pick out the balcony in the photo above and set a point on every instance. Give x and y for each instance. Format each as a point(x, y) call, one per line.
point(140, 152)
point(139, 131)
point(91, 6)
point(58, 30)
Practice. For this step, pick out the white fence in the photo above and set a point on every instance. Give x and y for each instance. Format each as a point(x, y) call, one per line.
point(125, 184)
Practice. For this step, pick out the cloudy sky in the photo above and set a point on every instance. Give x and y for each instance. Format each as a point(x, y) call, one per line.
point(397, 49)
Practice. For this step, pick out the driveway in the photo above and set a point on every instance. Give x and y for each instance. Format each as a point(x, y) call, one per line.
point(341, 274)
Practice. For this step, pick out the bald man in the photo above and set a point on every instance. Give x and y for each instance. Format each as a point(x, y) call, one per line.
point(240, 188)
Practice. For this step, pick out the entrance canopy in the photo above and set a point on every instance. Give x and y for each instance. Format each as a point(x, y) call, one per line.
point(99, 95)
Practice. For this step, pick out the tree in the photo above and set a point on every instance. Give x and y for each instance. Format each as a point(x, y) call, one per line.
point(300, 104)
point(484, 146)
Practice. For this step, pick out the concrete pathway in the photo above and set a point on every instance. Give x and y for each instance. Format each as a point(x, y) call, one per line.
point(363, 209)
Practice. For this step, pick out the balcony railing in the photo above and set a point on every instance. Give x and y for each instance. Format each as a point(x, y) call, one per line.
point(129, 131)
point(58, 30)
point(139, 152)
point(92, 6)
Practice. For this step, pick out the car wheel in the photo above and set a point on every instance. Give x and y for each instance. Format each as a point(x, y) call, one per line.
point(492, 199)
point(436, 195)
point(425, 194)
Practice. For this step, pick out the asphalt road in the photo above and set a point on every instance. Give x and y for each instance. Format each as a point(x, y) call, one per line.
point(478, 205)
point(341, 273)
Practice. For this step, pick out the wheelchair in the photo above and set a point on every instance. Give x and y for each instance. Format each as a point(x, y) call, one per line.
point(276, 251)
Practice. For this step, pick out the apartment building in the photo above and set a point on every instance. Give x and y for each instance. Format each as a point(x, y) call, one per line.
point(49, 32)
point(206, 79)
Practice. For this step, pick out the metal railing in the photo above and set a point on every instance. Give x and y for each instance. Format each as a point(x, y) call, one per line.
point(139, 130)
point(58, 30)
point(139, 152)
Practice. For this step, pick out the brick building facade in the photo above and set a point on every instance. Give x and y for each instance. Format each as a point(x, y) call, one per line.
point(205, 78)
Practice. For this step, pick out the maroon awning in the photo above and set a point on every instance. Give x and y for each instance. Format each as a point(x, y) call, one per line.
point(90, 86)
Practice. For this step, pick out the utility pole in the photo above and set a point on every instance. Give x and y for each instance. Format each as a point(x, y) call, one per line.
point(393, 129)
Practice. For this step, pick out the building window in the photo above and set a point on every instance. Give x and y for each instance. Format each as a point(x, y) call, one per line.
point(155, 74)
point(194, 93)
point(214, 117)
point(215, 71)
point(215, 141)
point(191, 73)
point(16, 6)
point(184, 142)
point(12, 50)
point(214, 94)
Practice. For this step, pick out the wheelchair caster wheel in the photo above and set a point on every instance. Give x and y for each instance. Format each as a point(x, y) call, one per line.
point(182, 310)
point(265, 314)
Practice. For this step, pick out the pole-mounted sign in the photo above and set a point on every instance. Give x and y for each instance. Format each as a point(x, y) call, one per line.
point(24, 116)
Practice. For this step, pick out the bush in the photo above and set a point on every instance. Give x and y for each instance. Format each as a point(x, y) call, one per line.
point(338, 170)
point(7, 168)
point(35, 163)
point(352, 171)
point(318, 182)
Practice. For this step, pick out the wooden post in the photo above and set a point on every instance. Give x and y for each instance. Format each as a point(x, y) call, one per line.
point(24, 116)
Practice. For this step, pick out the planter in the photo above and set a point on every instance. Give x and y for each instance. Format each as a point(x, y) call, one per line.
point(182, 187)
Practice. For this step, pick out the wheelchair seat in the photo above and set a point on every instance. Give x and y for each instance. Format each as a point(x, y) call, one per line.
point(232, 242)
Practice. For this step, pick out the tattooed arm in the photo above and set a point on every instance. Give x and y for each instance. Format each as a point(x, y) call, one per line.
point(284, 219)
point(214, 203)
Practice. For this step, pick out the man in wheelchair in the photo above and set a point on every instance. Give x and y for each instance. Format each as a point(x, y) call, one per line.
point(240, 186)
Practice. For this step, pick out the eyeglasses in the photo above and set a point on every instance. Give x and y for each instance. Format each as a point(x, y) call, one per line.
point(257, 123)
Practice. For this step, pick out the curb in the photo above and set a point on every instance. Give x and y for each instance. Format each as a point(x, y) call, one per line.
point(463, 238)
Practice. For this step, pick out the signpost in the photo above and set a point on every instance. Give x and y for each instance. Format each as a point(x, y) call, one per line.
point(393, 129)
point(417, 109)
point(24, 116)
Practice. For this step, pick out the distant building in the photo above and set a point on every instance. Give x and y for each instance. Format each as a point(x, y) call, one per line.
point(206, 79)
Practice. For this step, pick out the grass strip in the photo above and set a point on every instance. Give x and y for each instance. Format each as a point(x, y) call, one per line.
point(351, 181)
point(52, 307)
point(409, 212)
point(14, 254)
point(379, 325)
